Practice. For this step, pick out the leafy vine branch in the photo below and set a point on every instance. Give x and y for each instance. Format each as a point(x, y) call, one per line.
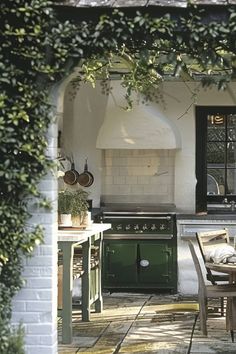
point(152, 50)
point(39, 48)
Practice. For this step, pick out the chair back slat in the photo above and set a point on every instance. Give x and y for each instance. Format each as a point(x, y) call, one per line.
point(210, 239)
point(198, 268)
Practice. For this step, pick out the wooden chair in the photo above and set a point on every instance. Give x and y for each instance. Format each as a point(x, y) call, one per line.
point(206, 241)
point(209, 291)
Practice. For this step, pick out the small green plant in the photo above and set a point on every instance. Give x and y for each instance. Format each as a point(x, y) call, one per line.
point(79, 202)
point(72, 202)
point(16, 341)
point(65, 202)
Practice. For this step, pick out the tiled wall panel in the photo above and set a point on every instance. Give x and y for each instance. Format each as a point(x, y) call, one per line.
point(145, 176)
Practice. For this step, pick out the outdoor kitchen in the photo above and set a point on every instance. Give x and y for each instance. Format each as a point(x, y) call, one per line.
point(118, 177)
point(144, 166)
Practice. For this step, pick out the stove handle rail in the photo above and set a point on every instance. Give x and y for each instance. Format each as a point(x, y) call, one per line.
point(138, 236)
point(137, 217)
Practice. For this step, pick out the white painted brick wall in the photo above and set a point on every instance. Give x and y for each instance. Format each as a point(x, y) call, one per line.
point(35, 306)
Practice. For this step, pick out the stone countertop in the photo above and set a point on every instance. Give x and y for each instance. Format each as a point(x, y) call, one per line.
point(185, 216)
point(81, 236)
point(140, 3)
point(188, 216)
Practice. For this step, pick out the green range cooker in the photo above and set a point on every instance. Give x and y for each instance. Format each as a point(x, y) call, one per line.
point(140, 251)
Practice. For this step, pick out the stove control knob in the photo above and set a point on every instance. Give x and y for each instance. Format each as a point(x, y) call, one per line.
point(162, 226)
point(128, 227)
point(153, 227)
point(145, 227)
point(136, 227)
point(118, 227)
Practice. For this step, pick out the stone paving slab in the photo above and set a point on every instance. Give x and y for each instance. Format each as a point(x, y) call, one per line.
point(213, 348)
point(94, 328)
point(119, 327)
point(108, 350)
point(143, 324)
point(151, 348)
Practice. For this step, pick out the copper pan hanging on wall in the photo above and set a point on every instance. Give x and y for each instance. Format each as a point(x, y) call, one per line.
point(71, 176)
point(86, 178)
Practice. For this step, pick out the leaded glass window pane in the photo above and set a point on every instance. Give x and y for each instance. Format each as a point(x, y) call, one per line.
point(231, 127)
point(216, 128)
point(221, 154)
point(215, 153)
point(215, 181)
point(231, 181)
point(231, 154)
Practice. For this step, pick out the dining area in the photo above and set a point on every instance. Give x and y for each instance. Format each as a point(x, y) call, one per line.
point(229, 269)
point(219, 259)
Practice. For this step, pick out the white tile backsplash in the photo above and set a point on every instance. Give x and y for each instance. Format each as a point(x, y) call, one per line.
point(130, 180)
point(138, 175)
point(119, 180)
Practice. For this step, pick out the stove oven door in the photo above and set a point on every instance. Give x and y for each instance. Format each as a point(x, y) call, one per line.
point(139, 264)
point(119, 264)
point(155, 263)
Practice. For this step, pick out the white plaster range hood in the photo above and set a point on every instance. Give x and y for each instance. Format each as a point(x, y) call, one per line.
point(144, 127)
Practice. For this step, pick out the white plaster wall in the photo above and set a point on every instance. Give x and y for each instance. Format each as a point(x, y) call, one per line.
point(83, 121)
point(83, 118)
point(187, 276)
point(145, 126)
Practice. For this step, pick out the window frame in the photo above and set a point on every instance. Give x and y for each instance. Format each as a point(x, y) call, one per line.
point(201, 114)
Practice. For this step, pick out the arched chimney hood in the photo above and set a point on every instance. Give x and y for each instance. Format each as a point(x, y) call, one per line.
point(144, 127)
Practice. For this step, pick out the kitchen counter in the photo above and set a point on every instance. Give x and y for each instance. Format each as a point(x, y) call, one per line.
point(167, 208)
point(80, 236)
point(67, 241)
point(226, 216)
point(189, 224)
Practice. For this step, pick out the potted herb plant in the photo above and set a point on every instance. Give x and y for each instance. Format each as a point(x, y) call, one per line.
point(79, 206)
point(65, 207)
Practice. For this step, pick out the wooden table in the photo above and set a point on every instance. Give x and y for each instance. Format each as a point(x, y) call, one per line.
point(67, 241)
point(229, 268)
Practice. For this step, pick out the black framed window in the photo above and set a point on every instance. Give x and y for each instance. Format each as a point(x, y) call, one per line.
point(215, 155)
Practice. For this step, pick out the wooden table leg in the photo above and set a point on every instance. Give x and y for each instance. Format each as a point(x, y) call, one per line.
point(86, 250)
point(68, 250)
point(231, 310)
point(99, 301)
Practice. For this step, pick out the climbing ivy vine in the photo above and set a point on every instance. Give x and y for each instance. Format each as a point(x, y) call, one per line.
point(37, 50)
